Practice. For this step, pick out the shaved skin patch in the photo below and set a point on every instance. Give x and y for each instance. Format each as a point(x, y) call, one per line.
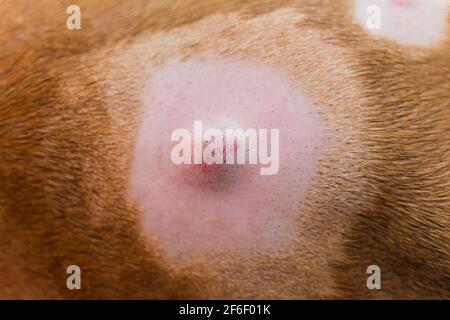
point(409, 22)
point(189, 212)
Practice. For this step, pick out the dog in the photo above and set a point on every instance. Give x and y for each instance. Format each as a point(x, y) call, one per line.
point(72, 119)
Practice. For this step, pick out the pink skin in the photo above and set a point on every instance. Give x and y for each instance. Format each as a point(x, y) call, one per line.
point(404, 3)
point(190, 212)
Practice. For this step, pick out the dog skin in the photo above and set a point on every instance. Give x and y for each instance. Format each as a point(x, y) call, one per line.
point(71, 113)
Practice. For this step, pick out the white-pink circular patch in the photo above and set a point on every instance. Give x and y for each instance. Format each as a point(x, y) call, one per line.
point(236, 209)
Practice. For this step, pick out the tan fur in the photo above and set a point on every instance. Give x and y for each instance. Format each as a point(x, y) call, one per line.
point(69, 112)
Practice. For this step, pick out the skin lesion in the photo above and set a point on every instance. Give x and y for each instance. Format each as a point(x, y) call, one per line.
point(217, 216)
point(418, 23)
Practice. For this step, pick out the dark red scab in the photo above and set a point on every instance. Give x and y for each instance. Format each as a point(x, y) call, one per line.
point(216, 174)
point(206, 168)
point(209, 168)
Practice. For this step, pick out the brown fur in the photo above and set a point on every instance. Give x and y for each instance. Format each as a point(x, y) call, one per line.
point(68, 123)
